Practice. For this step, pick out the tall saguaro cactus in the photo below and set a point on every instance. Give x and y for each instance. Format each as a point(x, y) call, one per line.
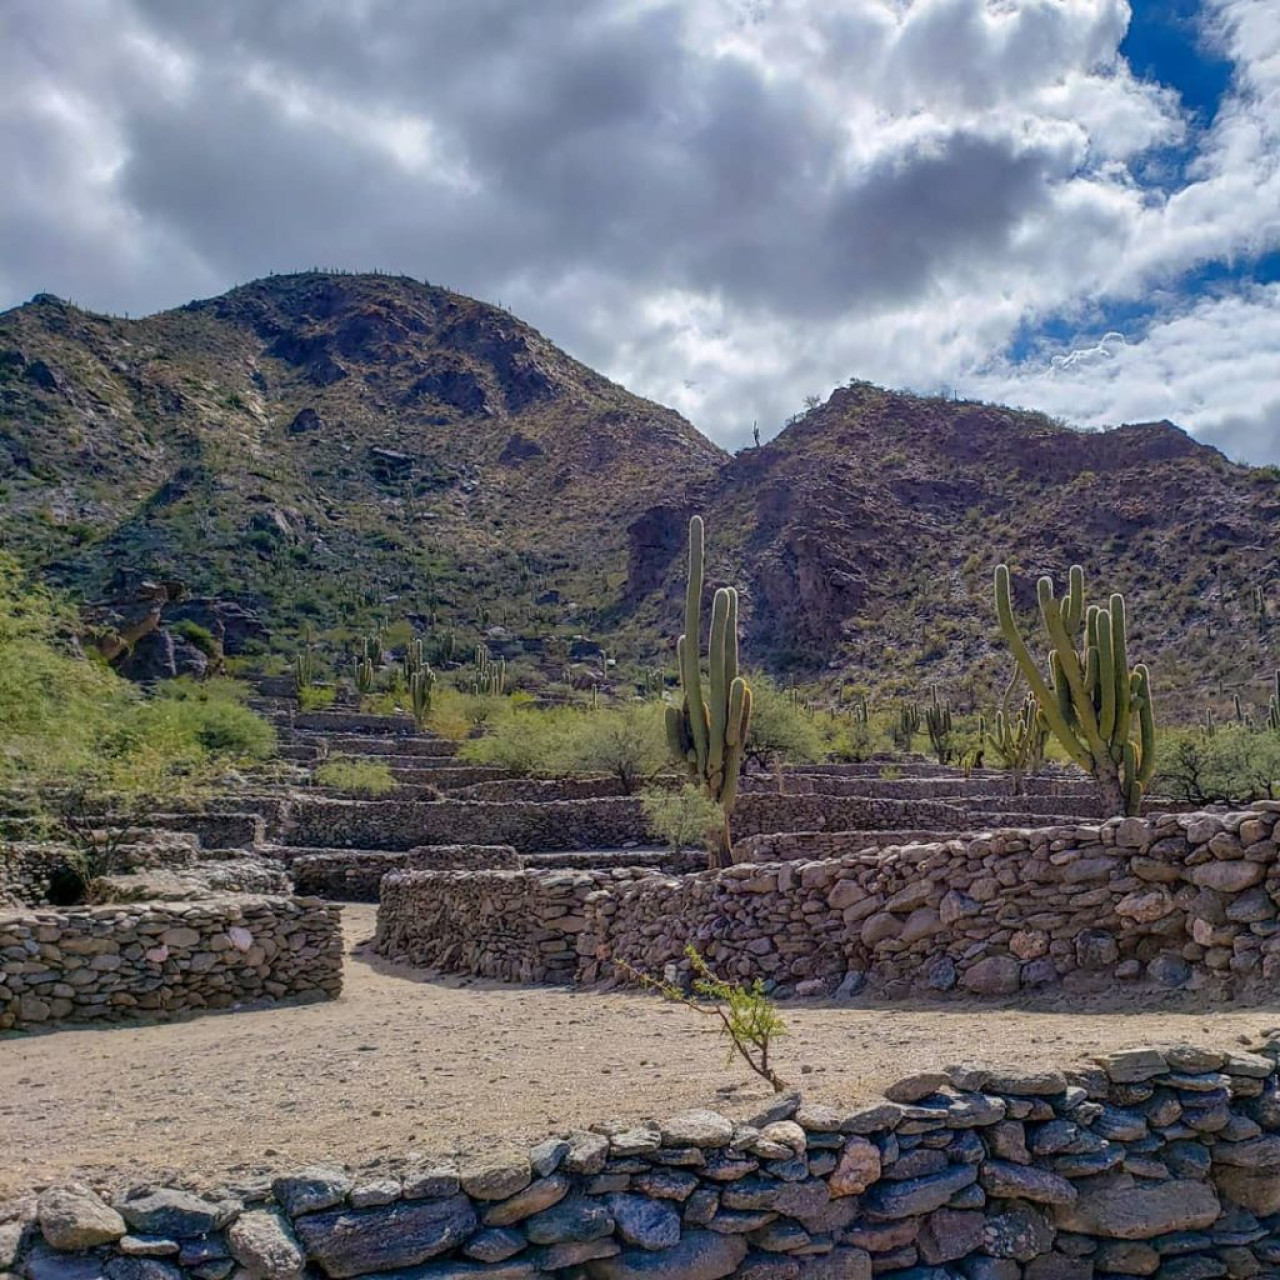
point(710, 733)
point(1093, 701)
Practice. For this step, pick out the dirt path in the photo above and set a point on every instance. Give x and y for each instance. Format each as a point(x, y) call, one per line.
point(401, 1064)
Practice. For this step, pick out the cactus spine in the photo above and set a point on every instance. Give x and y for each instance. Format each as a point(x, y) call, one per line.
point(1095, 698)
point(710, 733)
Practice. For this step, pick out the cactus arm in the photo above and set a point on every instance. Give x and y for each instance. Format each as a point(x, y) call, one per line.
point(1120, 656)
point(718, 693)
point(692, 678)
point(1072, 671)
point(1074, 602)
point(731, 640)
point(1106, 680)
point(1146, 724)
point(1031, 673)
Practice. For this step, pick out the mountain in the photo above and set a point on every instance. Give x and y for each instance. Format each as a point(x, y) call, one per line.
point(318, 442)
point(866, 533)
point(324, 447)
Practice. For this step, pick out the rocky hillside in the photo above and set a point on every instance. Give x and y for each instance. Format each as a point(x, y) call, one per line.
point(867, 531)
point(317, 443)
point(320, 446)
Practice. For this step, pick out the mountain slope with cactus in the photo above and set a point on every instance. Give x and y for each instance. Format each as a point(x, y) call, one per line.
point(322, 447)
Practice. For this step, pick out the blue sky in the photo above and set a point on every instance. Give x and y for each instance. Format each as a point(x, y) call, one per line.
point(727, 205)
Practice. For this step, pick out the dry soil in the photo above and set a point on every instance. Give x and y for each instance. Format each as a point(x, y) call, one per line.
point(404, 1063)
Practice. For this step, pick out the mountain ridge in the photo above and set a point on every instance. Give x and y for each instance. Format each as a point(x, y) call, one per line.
point(319, 444)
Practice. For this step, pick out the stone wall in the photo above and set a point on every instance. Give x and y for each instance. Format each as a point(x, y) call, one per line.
point(31, 871)
point(1151, 1162)
point(586, 824)
point(1185, 901)
point(149, 960)
point(943, 787)
point(356, 876)
point(359, 745)
point(1178, 902)
point(361, 723)
point(517, 926)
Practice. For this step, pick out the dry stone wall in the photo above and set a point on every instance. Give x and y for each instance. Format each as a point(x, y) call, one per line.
point(585, 824)
point(115, 963)
point(356, 876)
point(517, 926)
point(1153, 1162)
point(1182, 901)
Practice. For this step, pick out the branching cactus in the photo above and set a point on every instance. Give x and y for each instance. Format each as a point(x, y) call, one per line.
point(1273, 706)
point(709, 732)
point(1018, 739)
point(422, 687)
point(1093, 701)
point(937, 719)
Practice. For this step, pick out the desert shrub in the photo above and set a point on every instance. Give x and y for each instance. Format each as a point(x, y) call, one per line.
point(524, 741)
point(628, 742)
point(200, 637)
point(1233, 766)
point(215, 689)
point(781, 732)
point(316, 697)
point(355, 776)
point(684, 818)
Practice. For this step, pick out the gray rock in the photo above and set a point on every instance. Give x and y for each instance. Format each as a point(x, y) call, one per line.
point(174, 1213)
point(148, 1247)
point(494, 1244)
point(1169, 971)
point(587, 1152)
point(548, 1156)
point(496, 1176)
point(46, 1264)
point(917, 1195)
point(573, 1253)
point(840, 1264)
point(350, 1242)
point(649, 1224)
point(142, 1269)
point(1141, 1213)
point(696, 1129)
point(74, 1217)
point(1021, 1234)
point(537, 1196)
point(263, 1243)
point(317, 1187)
point(948, 1234)
point(575, 1218)
point(700, 1255)
point(439, 1179)
point(994, 976)
point(914, 1088)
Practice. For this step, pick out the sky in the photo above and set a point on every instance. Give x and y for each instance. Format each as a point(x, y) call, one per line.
point(726, 205)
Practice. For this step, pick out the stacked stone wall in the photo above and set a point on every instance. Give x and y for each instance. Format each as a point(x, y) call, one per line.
point(356, 876)
point(1153, 1162)
point(116, 963)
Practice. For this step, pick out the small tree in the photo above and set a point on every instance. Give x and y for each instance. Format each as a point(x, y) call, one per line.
point(683, 818)
point(626, 742)
point(749, 1020)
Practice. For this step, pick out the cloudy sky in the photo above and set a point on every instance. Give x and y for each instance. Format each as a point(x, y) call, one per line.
point(725, 204)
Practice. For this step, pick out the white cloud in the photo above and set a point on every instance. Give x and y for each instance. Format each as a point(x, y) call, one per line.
point(725, 204)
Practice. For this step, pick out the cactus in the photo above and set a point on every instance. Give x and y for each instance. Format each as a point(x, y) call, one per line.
point(1018, 741)
point(710, 733)
point(908, 725)
point(1210, 726)
point(1273, 705)
point(1096, 700)
point(1239, 710)
point(859, 712)
point(365, 675)
point(304, 667)
point(937, 719)
point(422, 687)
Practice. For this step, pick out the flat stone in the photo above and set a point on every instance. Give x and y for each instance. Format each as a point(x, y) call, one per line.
point(548, 1156)
point(700, 1255)
point(319, 1186)
point(1024, 1182)
point(173, 1213)
point(137, 1246)
point(1228, 877)
point(1141, 1213)
point(948, 1234)
point(496, 1176)
point(914, 1088)
point(74, 1217)
point(263, 1243)
point(649, 1224)
point(495, 1244)
point(47, 1264)
point(350, 1242)
point(422, 1181)
point(574, 1219)
point(1257, 1190)
point(573, 1253)
point(537, 1196)
point(1132, 1066)
point(917, 1195)
point(696, 1129)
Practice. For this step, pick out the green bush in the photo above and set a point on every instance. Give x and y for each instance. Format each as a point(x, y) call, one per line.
point(781, 732)
point(201, 637)
point(627, 742)
point(355, 776)
point(1234, 766)
point(685, 818)
point(316, 697)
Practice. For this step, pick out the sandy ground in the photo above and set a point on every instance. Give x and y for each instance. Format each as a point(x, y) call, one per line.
point(402, 1063)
